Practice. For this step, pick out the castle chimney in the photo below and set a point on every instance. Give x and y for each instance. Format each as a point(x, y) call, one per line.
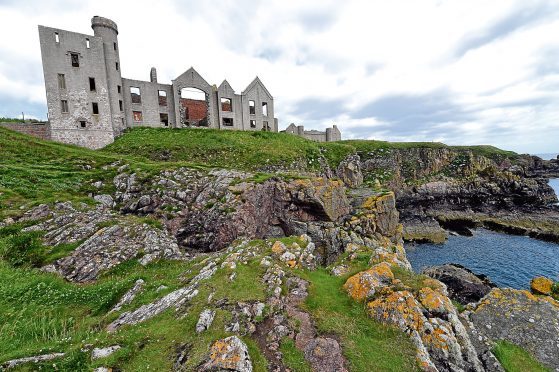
point(153, 75)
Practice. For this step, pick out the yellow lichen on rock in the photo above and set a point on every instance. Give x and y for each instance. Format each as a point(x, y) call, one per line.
point(364, 284)
point(541, 285)
point(278, 247)
point(434, 301)
point(378, 201)
point(399, 308)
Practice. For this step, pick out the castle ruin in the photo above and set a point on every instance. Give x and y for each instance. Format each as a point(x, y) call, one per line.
point(90, 103)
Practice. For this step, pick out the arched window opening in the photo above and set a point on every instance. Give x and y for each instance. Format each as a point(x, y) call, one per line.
point(193, 107)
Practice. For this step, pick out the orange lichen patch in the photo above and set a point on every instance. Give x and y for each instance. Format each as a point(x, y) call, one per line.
point(399, 308)
point(435, 285)
point(292, 263)
point(512, 299)
point(220, 353)
point(391, 258)
point(363, 285)
point(541, 285)
point(438, 338)
point(278, 247)
point(378, 201)
point(434, 301)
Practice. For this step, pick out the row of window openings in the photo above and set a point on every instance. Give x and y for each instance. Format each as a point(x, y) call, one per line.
point(136, 96)
point(62, 83)
point(163, 118)
point(228, 122)
point(94, 107)
point(87, 42)
point(226, 103)
point(75, 61)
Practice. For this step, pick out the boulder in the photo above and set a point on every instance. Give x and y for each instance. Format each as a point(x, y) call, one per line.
point(99, 353)
point(104, 199)
point(33, 359)
point(364, 284)
point(463, 285)
point(228, 354)
point(541, 285)
point(205, 320)
point(426, 229)
point(325, 354)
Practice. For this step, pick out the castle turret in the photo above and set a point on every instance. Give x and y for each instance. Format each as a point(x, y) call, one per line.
point(329, 135)
point(153, 75)
point(108, 31)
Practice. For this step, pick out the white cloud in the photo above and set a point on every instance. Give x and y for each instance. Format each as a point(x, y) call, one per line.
point(492, 61)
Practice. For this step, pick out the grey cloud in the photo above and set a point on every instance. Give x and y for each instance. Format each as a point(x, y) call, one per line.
point(318, 109)
point(412, 110)
point(516, 20)
point(318, 20)
point(548, 63)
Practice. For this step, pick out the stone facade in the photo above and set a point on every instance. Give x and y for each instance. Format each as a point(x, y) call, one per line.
point(329, 135)
point(90, 103)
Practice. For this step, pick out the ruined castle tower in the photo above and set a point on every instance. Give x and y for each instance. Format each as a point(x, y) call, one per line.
point(108, 32)
point(90, 103)
point(82, 81)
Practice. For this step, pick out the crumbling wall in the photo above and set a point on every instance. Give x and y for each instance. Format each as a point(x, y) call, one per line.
point(39, 130)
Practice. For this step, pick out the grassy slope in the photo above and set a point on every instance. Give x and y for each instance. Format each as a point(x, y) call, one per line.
point(515, 359)
point(40, 312)
point(255, 150)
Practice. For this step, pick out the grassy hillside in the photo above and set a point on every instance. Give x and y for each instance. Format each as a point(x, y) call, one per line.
point(41, 312)
point(33, 171)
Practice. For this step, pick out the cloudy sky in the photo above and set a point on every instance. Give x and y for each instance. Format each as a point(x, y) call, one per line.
point(460, 72)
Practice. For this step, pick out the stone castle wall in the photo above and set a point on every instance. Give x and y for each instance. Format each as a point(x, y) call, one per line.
point(39, 130)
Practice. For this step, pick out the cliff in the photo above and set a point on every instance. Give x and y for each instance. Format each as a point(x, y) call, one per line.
point(124, 261)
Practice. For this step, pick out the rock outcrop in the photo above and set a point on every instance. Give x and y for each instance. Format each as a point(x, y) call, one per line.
point(106, 240)
point(520, 318)
point(463, 285)
point(541, 285)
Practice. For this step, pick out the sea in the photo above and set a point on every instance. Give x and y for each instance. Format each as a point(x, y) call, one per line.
point(508, 260)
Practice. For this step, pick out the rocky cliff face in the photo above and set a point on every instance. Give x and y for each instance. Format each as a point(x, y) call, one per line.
point(213, 218)
point(460, 189)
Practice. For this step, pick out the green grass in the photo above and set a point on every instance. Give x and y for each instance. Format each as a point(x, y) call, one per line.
point(367, 344)
point(41, 312)
point(27, 249)
point(10, 120)
point(513, 358)
point(293, 358)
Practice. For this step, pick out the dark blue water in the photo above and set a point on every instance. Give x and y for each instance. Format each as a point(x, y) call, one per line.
point(509, 260)
point(555, 184)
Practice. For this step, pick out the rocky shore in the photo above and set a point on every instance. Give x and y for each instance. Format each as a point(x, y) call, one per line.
point(440, 190)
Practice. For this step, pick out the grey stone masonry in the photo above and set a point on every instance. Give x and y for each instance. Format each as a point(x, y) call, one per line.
point(329, 135)
point(90, 103)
